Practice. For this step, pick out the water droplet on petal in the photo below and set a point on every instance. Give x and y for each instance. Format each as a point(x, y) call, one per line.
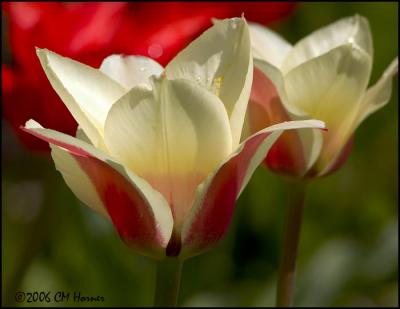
point(234, 25)
point(198, 78)
point(142, 69)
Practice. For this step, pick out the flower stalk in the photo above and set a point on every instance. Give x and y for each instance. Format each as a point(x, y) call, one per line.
point(168, 279)
point(287, 267)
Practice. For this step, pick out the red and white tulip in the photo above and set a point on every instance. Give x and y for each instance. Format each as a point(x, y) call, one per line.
point(158, 150)
point(324, 76)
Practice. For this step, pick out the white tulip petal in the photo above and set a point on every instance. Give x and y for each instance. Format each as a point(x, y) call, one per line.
point(379, 94)
point(329, 87)
point(80, 134)
point(64, 147)
point(354, 30)
point(172, 136)
point(76, 179)
point(312, 141)
point(220, 60)
point(268, 45)
point(87, 92)
point(131, 71)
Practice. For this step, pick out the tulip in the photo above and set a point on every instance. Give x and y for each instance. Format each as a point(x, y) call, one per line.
point(324, 76)
point(88, 32)
point(158, 150)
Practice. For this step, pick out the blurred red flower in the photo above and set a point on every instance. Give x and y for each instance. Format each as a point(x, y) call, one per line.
point(88, 32)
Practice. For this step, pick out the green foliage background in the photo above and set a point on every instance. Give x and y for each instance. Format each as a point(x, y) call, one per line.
point(349, 242)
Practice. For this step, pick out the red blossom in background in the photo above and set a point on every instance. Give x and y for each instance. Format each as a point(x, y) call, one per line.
point(88, 32)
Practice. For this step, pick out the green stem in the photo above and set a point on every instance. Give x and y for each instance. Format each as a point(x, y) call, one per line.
point(167, 282)
point(287, 267)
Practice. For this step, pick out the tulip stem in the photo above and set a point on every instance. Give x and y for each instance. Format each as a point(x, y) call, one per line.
point(287, 267)
point(167, 282)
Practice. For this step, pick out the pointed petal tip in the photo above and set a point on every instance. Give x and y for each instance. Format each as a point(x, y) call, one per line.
point(215, 20)
point(393, 68)
point(357, 17)
point(41, 51)
point(30, 124)
point(360, 18)
point(229, 19)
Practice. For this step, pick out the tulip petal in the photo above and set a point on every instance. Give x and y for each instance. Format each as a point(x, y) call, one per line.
point(274, 75)
point(172, 136)
point(330, 88)
point(265, 108)
point(77, 180)
point(373, 99)
point(220, 60)
point(379, 94)
point(87, 92)
point(312, 141)
point(338, 162)
point(353, 30)
point(130, 71)
point(140, 214)
point(213, 206)
point(80, 134)
point(268, 45)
